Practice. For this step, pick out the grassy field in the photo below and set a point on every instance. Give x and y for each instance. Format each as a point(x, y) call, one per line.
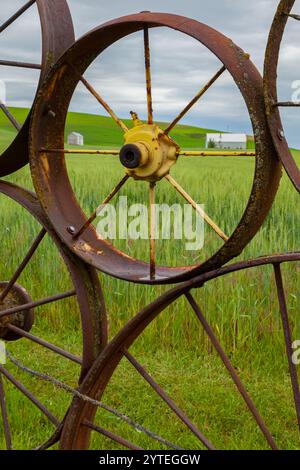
point(242, 308)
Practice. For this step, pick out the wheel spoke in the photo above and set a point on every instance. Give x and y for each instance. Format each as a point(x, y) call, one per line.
point(152, 229)
point(23, 264)
point(110, 435)
point(287, 104)
point(195, 99)
point(100, 100)
point(10, 117)
point(208, 153)
point(231, 371)
point(30, 396)
point(197, 208)
point(288, 339)
point(38, 303)
point(79, 151)
point(181, 415)
point(148, 75)
point(25, 65)
point(101, 206)
point(16, 15)
point(295, 17)
point(44, 343)
point(6, 427)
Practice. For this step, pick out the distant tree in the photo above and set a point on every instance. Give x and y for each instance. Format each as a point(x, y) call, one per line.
point(211, 144)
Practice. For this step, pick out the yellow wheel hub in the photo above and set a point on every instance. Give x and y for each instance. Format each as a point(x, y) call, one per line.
point(148, 153)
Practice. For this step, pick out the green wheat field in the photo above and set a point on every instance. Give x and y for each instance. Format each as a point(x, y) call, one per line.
point(242, 308)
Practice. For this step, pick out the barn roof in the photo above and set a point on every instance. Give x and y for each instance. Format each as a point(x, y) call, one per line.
point(227, 137)
point(76, 134)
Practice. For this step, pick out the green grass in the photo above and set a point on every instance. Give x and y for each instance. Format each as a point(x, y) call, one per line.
point(242, 308)
point(102, 131)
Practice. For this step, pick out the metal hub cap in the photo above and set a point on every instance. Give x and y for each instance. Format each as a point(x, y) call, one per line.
point(148, 153)
point(16, 296)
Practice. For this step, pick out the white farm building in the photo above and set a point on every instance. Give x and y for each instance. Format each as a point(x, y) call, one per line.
point(226, 141)
point(75, 139)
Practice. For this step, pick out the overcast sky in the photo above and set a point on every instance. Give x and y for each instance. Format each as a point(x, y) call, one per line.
point(180, 65)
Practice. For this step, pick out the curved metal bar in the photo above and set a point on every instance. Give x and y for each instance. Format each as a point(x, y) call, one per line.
point(270, 91)
point(85, 280)
point(62, 207)
point(57, 36)
point(74, 436)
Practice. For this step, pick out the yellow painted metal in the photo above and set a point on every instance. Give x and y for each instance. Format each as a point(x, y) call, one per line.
point(159, 152)
point(208, 153)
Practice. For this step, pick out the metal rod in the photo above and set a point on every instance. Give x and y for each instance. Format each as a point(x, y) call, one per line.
point(6, 427)
point(23, 264)
point(44, 343)
point(181, 415)
point(195, 99)
point(295, 17)
point(288, 339)
point(231, 371)
point(197, 208)
point(152, 229)
point(10, 117)
point(208, 153)
point(30, 305)
point(30, 396)
point(25, 65)
point(148, 75)
point(77, 151)
point(16, 15)
point(100, 100)
point(287, 104)
point(101, 206)
point(110, 435)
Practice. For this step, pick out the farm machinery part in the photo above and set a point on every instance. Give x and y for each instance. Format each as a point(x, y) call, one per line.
point(80, 421)
point(57, 35)
point(272, 102)
point(148, 153)
point(19, 322)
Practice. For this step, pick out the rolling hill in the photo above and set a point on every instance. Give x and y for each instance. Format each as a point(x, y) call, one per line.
point(101, 131)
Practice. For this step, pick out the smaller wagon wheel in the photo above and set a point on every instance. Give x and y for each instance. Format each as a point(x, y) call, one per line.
point(148, 152)
point(273, 105)
point(22, 329)
point(57, 35)
point(81, 423)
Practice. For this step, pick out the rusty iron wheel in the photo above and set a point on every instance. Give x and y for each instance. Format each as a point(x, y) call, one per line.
point(19, 316)
point(57, 35)
point(80, 424)
point(47, 152)
point(272, 103)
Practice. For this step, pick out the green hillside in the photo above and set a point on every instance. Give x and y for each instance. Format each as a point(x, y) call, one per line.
point(101, 131)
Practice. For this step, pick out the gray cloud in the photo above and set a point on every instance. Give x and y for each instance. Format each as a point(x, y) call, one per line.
point(180, 66)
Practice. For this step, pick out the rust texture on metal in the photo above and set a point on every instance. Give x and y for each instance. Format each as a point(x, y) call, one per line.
point(17, 308)
point(76, 436)
point(47, 133)
point(57, 36)
point(148, 154)
point(272, 104)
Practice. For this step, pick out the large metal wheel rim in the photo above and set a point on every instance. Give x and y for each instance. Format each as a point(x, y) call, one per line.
point(270, 91)
point(76, 432)
point(57, 36)
point(86, 283)
point(63, 211)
